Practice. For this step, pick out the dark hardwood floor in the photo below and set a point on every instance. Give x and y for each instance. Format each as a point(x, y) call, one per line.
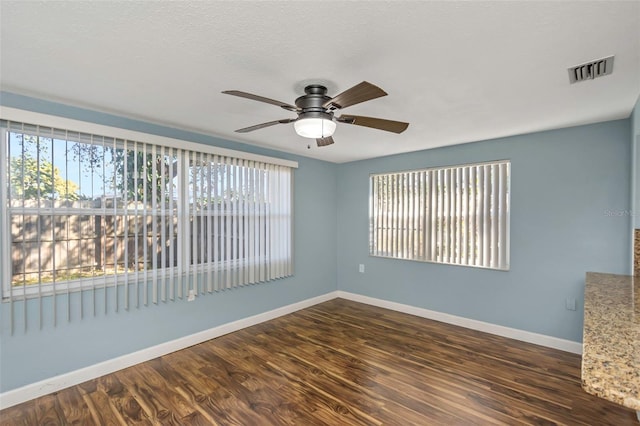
point(337, 363)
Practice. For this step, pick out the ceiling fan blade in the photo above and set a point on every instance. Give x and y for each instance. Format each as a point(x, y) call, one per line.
point(375, 123)
point(364, 91)
point(325, 141)
point(263, 125)
point(260, 99)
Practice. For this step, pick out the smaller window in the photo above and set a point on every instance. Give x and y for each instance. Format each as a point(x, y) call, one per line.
point(455, 215)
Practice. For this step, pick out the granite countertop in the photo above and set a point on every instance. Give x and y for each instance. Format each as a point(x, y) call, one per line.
point(611, 341)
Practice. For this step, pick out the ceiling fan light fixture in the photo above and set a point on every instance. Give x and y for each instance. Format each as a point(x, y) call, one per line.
point(314, 128)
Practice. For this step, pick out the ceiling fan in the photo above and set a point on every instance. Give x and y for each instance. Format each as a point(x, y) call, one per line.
point(315, 111)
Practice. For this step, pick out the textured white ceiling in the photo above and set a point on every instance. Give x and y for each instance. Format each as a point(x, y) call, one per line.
point(457, 71)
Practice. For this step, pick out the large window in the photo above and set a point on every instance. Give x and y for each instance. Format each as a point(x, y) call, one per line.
point(455, 215)
point(152, 222)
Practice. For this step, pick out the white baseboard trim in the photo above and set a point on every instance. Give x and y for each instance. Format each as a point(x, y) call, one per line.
point(499, 330)
point(54, 384)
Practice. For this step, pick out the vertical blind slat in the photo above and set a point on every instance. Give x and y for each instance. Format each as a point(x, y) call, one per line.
point(125, 183)
point(402, 215)
point(52, 219)
point(373, 229)
point(494, 216)
point(209, 234)
point(163, 223)
point(471, 217)
point(261, 223)
point(434, 213)
point(227, 225)
point(486, 228)
point(170, 227)
point(502, 217)
point(384, 181)
point(465, 216)
point(6, 201)
point(413, 200)
point(396, 213)
point(398, 216)
point(479, 215)
point(380, 219)
point(39, 238)
point(410, 215)
point(422, 208)
point(216, 225)
point(377, 218)
point(154, 225)
point(242, 222)
point(255, 224)
point(193, 264)
point(440, 211)
point(145, 228)
point(137, 224)
point(202, 231)
point(251, 227)
point(453, 216)
point(114, 234)
point(270, 224)
point(276, 227)
point(450, 205)
point(459, 221)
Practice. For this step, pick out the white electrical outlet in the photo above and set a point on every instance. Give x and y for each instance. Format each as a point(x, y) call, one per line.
point(361, 268)
point(570, 304)
point(192, 296)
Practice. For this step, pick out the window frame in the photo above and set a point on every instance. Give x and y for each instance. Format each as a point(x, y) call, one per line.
point(72, 285)
point(441, 206)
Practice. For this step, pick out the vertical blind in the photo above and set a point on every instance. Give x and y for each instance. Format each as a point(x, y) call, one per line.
point(99, 223)
point(455, 215)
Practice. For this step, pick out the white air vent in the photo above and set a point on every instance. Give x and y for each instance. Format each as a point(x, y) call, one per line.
point(591, 70)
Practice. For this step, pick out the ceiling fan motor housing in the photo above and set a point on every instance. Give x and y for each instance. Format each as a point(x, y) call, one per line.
point(311, 103)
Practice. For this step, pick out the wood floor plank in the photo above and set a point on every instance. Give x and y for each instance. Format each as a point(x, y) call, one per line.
point(337, 363)
point(49, 411)
point(198, 384)
point(122, 401)
point(202, 413)
point(157, 399)
point(103, 412)
point(75, 409)
point(20, 415)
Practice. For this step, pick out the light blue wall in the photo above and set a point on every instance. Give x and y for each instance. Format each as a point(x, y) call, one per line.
point(40, 354)
point(563, 183)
